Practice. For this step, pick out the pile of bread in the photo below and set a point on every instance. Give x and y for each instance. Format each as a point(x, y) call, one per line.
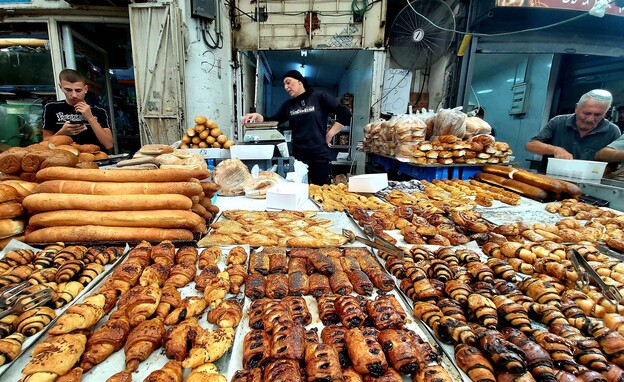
point(59, 150)
point(154, 156)
point(205, 134)
point(12, 221)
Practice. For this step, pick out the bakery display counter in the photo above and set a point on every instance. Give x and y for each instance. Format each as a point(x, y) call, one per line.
point(393, 165)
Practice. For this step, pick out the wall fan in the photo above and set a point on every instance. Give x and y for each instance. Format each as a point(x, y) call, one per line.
point(414, 42)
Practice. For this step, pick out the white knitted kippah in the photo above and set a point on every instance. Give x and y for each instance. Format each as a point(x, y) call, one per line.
point(600, 95)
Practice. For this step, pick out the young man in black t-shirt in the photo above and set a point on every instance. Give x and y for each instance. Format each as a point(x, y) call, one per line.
point(74, 117)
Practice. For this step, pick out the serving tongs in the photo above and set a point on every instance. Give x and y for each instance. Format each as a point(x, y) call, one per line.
point(8, 295)
point(386, 247)
point(22, 303)
point(586, 272)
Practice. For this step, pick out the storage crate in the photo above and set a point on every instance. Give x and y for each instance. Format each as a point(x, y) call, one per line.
point(575, 168)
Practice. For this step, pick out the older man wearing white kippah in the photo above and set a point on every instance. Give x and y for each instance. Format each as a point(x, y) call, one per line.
point(579, 135)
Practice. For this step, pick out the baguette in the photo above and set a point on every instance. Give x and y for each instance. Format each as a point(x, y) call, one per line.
point(10, 210)
point(22, 187)
point(153, 218)
point(90, 175)
point(538, 180)
point(92, 233)
point(571, 189)
point(10, 227)
point(514, 185)
point(503, 171)
point(110, 188)
point(53, 202)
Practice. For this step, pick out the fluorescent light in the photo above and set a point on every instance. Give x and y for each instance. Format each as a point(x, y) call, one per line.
point(23, 41)
point(485, 91)
point(510, 80)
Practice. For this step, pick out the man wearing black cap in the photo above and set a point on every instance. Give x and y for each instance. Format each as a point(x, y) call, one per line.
point(306, 113)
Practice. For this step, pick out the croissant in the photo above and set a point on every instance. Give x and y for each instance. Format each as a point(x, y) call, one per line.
point(33, 320)
point(169, 300)
point(181, 274)
point(16, 274)
point(237, 256)
point(210, 346)
point(140, 303)
point(189, 307)
point(334, 335)
point(179, 338)
point(72, 252)
point(319, 285)
point(451, 330)
point(204, 277)
point(164, 253)
point(104, 342)
point(11, 347)
point(283, 370)
point(42, 276)
point(484, 309)
point(298, 310)
point(216, 289)
point(126, 275)
point(142, 341)
point(209, 256)
point(504, 354)
point(89, 273)
point(256, 347)
point(171, 372)
point(513, 313)
point(74, 375)
point(227, 314)
point(472, 361)
point(81, 316)
point(538, 360)
point(255, 286)
point(45, 257)
point(142, 254)
point(155, 274)
point(207, 372)
point(349, 310)
point(277, 285)
point(18, 257)
point(102, 255)
point(322, 364)
point(186, 255)
point(612, 342)
point(53, 357)
point(122, 376)
point(366, 352)
point(238, 275)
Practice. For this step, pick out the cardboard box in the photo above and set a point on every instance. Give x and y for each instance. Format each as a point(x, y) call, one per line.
point(252, 151)
point(210, 153)
point(287, 196)
point(575, 168)
point(368, 183)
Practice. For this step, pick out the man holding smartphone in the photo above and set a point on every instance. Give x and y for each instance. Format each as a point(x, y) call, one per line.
point(74, 117)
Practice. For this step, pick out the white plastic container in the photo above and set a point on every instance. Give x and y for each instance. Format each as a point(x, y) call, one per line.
point(575, 168)
point(252, 151)
point(287, 196)
point(368, 183)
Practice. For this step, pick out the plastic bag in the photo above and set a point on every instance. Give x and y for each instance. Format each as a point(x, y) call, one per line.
point(231, 175)
point(450, 122)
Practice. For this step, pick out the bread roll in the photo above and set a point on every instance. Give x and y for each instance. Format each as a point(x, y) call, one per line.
point(155, 149)
point(110, 188)
point(92, 233)
point(87, 165)
point(22, 187)
point(88, 148)
point(148, 159)
point(10, 227)
point(59, 140)
point(153, 218)
point(61, 158)
point(7, 193)
point(168, 175)
point(10, 210)
point(11, 160)
point(571, 189)
point(53, 202)
point(86, 157)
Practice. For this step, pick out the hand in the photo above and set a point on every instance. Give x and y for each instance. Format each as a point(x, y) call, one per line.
point(328, 139)
point(561, 153)
point(72, 129)
point(83, 108)
point(253, 117)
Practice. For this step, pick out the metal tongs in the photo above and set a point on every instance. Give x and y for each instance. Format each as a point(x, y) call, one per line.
point(382, 245)
point(586, 272)
point(18, 303)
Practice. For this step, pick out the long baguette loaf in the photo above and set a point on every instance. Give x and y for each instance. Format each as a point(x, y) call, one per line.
point(503, 171)
point(92, 233)
point(54, 202)
point(122, 188)
point(10, 210)
point(514, 185)
point(152, 218)
point(571, 189)
point(10, 227)
point(93, 175)
point(538, 180)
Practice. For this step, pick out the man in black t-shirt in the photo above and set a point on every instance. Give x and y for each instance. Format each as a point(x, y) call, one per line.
point(74, 117)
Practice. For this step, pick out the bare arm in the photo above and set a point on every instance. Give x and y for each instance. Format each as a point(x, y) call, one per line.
point(610, 155)
point(335, 129)
point(105, 136)
point(541, 148)
point(253, 117)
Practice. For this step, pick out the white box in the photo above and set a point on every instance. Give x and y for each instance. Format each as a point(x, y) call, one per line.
point(210, 153)
point(287, 196)
point(368, 183)
point(575, 168)
point(252, 151)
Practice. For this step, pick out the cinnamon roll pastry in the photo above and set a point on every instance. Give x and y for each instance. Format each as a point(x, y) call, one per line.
point(186, 255)
point(283, 370)
point(334, 335)
point(142, 341)
point(181, 274)
point(255, 287)
point(327, 309)
point(155, 274)
point(33, 320)
point(80, 316)
point(403, 350)
point(297, 264)
point(67, 271)
point(11, 347)
point(349, 310)
point(361, 283)
point(274, 312)
point(319, 284)
point(164, 253)
point(277, 285)
point(170, 372)
point(259, 263)
point(298, 310)
point(278, 263)
point(321, 362)
point(238, 275)
point(104, 342)
point(236, 256)
point(209, 257)
point(256, 349)
point(298, 284)
point(169, 300)
point(365, 351)
point(89, 273)
point(255, 313)
point(383, 314)
point(321, 263)
point(288, 341)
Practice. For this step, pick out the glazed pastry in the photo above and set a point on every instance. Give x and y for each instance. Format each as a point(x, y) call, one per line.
point(53, 357)
point(256, 348)
point(277, 285)
point(227, 315)
point(434, 373)
point(298, 284)
point(383, 313)
point(278, 263)
point(10, 347)
point(171, 372)
point(181, 274)
point(311, 336)
point(327, 309)
point(206, 274)
point(288, 341)
point(390, 375)
point(238, 275)
point(298, 310)
point(33, 320)
point(253, 375)
point(283, 370)
point(274, 312)
point(186, 255)
point(350, 375)
point(405, 350)
point(74, 375)
point(179, 338)
point(297, 264)
point(125, 276)
point(375, 272)
point(155, 274)
point(209, 256)
point(236, 256)
point(169, 300)
point(255, 287)
point(334, 335)
point(189, 307)
point(209, 346)
point(207, 372)
point(90, 272)
point(361, 283)
point(72, 252)
point(321, 362)
point(164, 253)
point(339, 281)
point(259, 263)
point(81, 316)
point(365, 351)
point(349, 310)
point(102, 255)
point(216, 289)
point(142, 254)
point(318, 285)
point(104, 342)
point(474, 363)
point(122, 376)
point(142, 341)
point(68, 271)
point(322, 263)
point(255, 313)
